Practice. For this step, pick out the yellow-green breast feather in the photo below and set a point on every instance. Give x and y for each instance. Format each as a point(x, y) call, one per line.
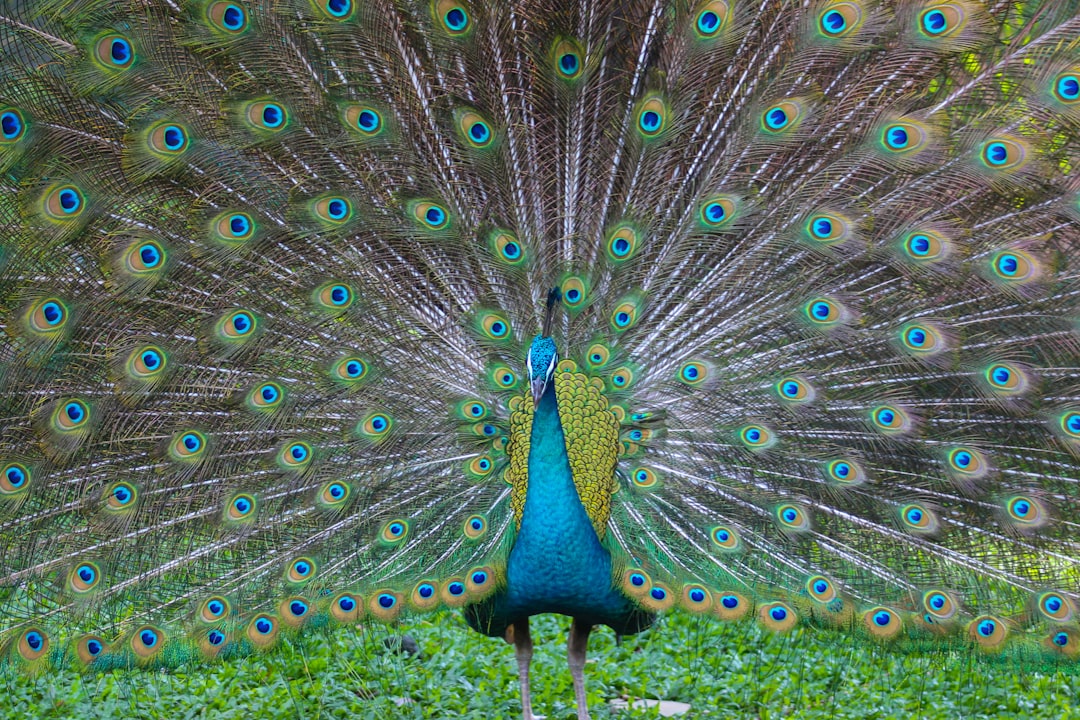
point(592, 443)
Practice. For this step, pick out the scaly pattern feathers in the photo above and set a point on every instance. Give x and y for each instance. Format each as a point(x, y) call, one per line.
point(269, 273)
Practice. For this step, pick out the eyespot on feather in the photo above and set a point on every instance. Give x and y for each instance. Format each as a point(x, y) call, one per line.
point(47, 317)
point(240, 508)
point(15, 479)
point(882, 623)
point(262, 631)
point(918, 519)
point(267, 115)
point(32, 645)
point(939, 604)
point(795, 389)
point(506, 246)
point(711, 19)
point(1055, 606)
point(452, 16)
point(337, 10)
point(845, 471)
point(696, 598)
point(84, 577)
point(839, 20)
point(332, 210)
point(227, 17)
point(718, 211)
point(364, 119)
point(821, 589)
point(375, 426)
point(63, 202)
point(568, 59)
point(300, 570)
point(334, 494)
point(214, 609)
point(347, 607)
point(13, 125)
point(114, 52)
point(777, 616)
point(394, 531)
point(167, 139)
point(988, 632)
point(730, 606)
point(188, 446)
point(725, 538)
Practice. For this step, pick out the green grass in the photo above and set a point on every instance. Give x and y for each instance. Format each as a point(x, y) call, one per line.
point(723, 671)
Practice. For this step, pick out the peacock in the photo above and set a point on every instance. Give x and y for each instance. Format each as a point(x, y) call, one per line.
point(318, 312)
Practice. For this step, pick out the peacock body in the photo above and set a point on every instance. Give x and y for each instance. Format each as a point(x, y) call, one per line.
point(323, 310)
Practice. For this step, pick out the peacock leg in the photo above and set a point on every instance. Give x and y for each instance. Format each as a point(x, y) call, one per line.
point(518, 634)
point(576, 646)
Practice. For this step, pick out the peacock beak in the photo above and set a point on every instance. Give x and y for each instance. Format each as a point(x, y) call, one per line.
point(538, 386)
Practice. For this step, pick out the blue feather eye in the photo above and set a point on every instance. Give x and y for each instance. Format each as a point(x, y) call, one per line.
point(89, 647)
point(890, 419)
point(14, 479)
point(966, 462)
point(84, 577)
point(120, 497)
point(64, 202)
point(693, 373)
point(652, 117)
point(942, 20)
point(712, 17)
point(924, 247)
point(732, 606)
point(188, 446)
point(795, 390)
point(921, 339)
point(622, 243)
point(780, 119)
point(349, 370)
point(366, 120)
point(266, 115)
point(939, 605)
point(575, 291)
point(375, 426)
point(1066, 88)
point(332, 210)
point(47, 317)
point(167, 139)
point(757, 437)
point(777, 616)
point(232, 228)
point(505, 245)
point(624, 316)
point(1069, 424)
point(227, 16)
point(236, 326)
point(824, 313)
point(335, 9)
point(988, 631)
point(793, 517)
point(882, 623)
point(240, 507)
point(1012, 267)
point(845, 471)
point(453, 17)
point(918, 519)
point(644, 478)
point(821, 589)
point(430, 215)
point(267, 396)
point(300, 570)
point(473, 128)
point(827, 229)
point(567, 57)
point(1025, 511)
point(214, 609)
point(1055, 606)
point(717, 211)
point(839, 20)
point(903, 137)
point(114, 52)
point(12, 125)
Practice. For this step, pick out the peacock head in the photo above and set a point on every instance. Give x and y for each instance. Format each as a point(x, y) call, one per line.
point(541, 361)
